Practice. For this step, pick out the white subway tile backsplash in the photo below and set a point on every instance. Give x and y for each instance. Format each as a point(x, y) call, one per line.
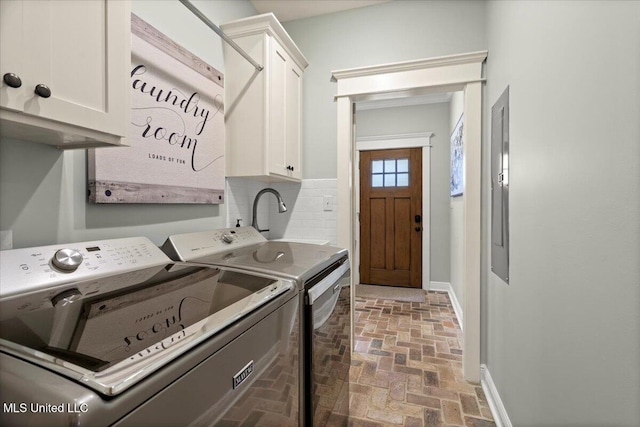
point(305, 217)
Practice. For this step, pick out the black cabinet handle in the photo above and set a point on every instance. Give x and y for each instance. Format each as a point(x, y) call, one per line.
point(12, 80)
point(43, 91)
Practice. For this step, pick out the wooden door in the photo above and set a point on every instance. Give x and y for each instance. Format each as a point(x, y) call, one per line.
point(391, 217)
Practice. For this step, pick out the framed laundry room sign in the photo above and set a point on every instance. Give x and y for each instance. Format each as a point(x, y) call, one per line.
point(176, 134)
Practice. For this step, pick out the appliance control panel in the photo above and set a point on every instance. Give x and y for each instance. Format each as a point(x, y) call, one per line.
point(32, 270)
point(186, 247)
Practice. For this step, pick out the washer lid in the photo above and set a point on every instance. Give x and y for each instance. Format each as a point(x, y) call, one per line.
point(297, 261)
point(112, 340)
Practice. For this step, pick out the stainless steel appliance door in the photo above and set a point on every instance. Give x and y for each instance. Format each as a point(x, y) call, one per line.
point(253, 380)
point(328, 354)
point(111, 342)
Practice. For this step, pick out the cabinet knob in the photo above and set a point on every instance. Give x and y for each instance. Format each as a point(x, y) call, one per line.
point(43, 91)
point(418, 228)
point(12, 80)
point(290, 168)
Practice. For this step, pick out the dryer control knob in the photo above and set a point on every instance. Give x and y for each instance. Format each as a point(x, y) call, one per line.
point(67, 259)
point(228, 238)
point(66, 297)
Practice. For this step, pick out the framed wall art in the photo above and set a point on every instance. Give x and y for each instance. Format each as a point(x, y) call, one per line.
point(176, 135)
point(457, 182)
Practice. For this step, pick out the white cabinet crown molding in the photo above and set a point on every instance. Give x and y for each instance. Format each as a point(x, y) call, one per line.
point(269, 24)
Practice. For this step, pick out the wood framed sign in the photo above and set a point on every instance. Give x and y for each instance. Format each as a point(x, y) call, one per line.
point(176, 135)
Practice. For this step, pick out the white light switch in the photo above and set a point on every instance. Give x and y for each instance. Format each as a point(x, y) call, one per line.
point(327, 202)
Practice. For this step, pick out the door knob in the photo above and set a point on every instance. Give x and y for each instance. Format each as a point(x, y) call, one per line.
point(418, 228)
point(12, 80)
point(43, 91)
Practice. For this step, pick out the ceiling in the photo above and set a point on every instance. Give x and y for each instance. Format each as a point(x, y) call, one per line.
point(288, 10)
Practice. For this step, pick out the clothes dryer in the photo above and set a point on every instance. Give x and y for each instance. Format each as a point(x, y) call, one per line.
point(322, 276)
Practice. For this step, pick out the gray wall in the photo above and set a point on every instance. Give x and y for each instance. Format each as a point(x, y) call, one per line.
point(413, 119)
point(43, 196)
point(562, 340)
point(396, 31)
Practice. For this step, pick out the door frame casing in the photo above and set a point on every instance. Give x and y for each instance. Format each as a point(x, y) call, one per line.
point(390, 142)
point(441, 74)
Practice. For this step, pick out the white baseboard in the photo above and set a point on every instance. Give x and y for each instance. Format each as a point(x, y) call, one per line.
point(498, 410)
point(457, 308)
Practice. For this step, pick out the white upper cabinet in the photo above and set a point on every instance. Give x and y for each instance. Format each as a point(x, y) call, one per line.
point(64, 66)
point(263, 108)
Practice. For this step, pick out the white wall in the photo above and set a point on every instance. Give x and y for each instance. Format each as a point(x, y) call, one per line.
point(415, 119)
point(562, 339)
point(43, 194)
point(396, 31)
point(456, 210)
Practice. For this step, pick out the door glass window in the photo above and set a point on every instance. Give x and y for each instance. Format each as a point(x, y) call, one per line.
point(390, 173)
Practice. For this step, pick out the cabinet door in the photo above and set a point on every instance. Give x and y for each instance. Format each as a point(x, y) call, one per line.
point(82, 56)
point(293, 136)
point(277, 109)
point(79, 51)
point(11, 53)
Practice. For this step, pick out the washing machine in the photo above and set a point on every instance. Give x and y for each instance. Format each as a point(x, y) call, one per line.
point(322, 277)
point(113, 332)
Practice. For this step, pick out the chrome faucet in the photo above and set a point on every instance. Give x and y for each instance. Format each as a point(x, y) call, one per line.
point(281, 207)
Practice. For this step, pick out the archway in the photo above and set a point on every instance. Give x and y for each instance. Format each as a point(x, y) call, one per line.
point(405, 79)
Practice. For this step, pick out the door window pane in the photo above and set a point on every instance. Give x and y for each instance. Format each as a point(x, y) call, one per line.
point(389, 179)
point(390, 173)
point(376, 166)
point(390, 165)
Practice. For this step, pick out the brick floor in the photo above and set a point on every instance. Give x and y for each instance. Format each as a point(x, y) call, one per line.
point(407, 367)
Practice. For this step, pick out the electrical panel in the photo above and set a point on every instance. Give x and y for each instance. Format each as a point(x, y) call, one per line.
point(500, 186)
